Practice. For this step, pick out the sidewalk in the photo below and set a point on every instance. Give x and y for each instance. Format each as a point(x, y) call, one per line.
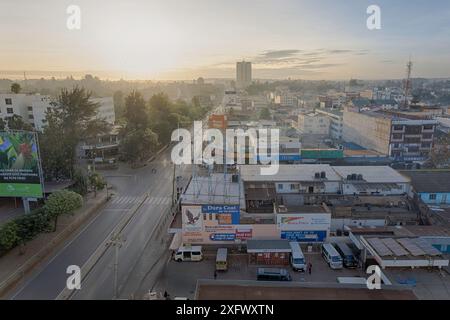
point(20, 261)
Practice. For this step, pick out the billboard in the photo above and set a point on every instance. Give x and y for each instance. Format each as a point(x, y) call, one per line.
point(304, 221)
point(225, 214)
point(192, 218)
point(20, 168)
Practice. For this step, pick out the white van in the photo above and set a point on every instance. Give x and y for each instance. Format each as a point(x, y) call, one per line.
point(331, 256)
point(188, 253)
point(297, 257)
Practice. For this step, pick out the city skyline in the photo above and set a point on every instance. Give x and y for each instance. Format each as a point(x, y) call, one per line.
point(166, 40)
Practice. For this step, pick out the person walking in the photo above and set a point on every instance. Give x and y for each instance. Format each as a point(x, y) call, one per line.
point(215, 275)
point(309, 267)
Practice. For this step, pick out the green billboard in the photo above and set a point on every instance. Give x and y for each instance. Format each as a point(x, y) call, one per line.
point(20, 170)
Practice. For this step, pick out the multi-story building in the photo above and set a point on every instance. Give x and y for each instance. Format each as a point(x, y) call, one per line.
point(105, 109)
point(336, 122)
point(314, 123)
point(390, 133)
point(31, 107)
point(243, 74)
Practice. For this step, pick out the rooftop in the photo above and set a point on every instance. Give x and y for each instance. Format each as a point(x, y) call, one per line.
point(300, 172)
point(215, 189)
point(429, 181)
point(372, 174)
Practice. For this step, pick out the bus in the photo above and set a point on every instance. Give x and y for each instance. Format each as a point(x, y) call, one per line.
point(331, 256)
point(347, 255)
point(221, 259)
point(297, 257)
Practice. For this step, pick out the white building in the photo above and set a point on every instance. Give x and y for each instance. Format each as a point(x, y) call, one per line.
point(31, 107)
point(372, 180)
point(105, 109)
point(314, 123)
point(336, 122)
point(243, 74)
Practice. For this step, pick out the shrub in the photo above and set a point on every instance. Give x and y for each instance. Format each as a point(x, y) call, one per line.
point(8, 236)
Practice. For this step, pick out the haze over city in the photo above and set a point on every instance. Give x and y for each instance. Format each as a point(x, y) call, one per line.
point(173, 40)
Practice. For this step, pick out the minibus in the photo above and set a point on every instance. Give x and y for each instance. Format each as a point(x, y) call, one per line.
point(188, 253)
point(221, 259)
point(347, 255)
point(331, 256)
point(297, 257)
point(273, 274)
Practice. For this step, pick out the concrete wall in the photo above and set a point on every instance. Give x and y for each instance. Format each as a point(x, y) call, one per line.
point(367, 131)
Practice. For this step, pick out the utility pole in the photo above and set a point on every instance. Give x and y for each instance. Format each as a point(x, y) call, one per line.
point(117, 242)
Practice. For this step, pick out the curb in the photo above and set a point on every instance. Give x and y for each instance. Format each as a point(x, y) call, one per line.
point(38, 257)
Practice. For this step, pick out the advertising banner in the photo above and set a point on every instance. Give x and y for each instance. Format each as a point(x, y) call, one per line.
point(20, 169)
point(226, 214)
point(306, 221)
point(304, 235)
point(192, 218)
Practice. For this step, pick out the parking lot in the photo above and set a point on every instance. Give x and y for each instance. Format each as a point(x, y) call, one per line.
point(179, 279)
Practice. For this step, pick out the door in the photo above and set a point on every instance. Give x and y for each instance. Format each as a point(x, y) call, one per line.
point(187, 256)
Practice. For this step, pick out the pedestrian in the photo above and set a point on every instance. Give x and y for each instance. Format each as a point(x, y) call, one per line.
point(166, 295)
point(309, 267)
point(215, 275)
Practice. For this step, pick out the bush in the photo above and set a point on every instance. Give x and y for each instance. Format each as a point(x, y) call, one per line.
point(30, 225)
point(8, 236)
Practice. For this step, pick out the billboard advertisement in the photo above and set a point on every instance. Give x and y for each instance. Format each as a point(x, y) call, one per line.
point(20, 169)
point(304, 235)
point(226, 214)
point(306, 221)
point(192, 218)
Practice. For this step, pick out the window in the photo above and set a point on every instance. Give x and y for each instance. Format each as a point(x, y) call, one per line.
point(30, 116)
point(432, 196)
point(428, 127)
point(9, 110)
point(397, 136)
point(30, 108)
point(398, 128)
point(427, 135)
point(8, 101)
point(280, 186)
point(294, 186)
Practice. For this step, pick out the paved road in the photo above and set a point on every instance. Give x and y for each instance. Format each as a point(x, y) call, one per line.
point(131, 185)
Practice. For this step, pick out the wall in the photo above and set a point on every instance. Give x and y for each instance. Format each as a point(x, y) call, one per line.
point(441, 198)
point(367, 131)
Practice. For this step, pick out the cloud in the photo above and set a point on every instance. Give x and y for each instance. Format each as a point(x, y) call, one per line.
point(279, 54)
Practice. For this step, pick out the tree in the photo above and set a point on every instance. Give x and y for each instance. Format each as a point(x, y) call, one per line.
point(2, 125)
point(138, 145)
point(8, 236)
point(440, 153)
point(62, 202)
point(15, 88)
point(16, 123)
point(72, 120)
point(119, 103)
point(136, 112)
point(97, 182)
point(265, 114)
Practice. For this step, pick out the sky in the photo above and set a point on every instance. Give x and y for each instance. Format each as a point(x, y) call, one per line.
point(183, 40)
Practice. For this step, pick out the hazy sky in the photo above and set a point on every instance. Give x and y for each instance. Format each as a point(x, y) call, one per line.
point(185, 39)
